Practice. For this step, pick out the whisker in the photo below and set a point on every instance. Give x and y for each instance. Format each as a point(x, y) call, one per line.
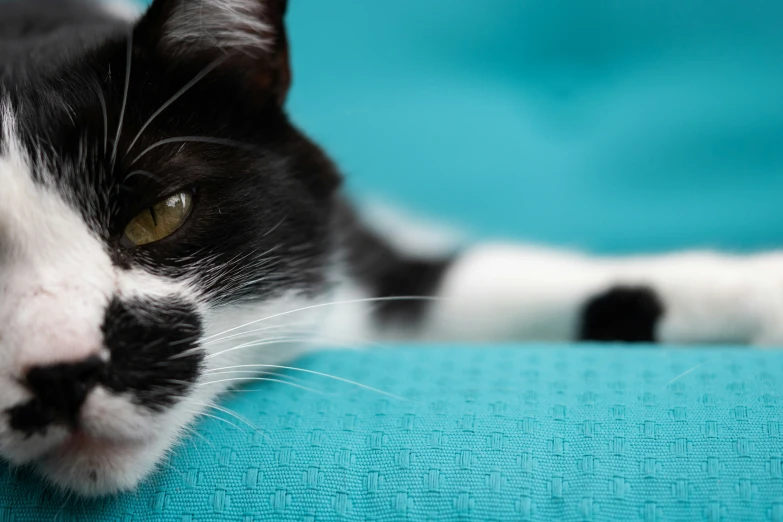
point(257, 330)
point(186, 353)
point(177, 471)
point(254, 344)
point(208, 69)
point(70, 495)
point(224, 410)
point(220, 419)
point(686, 372)
point(128, 60)
point(256, 390)
point(321, 374)
point(304, 337)
point(222, 368)
point(333, 303)
point(265, 379)
point(271, 230)
point(102, 99)
point(197, 139)
point(193, 431)
point(226, 371)
point(179, 382)
point(144, 173)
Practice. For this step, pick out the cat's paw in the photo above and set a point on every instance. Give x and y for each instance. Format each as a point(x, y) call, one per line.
point(627, 314)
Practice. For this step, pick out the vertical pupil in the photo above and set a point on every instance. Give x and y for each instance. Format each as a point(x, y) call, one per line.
point(154, 216)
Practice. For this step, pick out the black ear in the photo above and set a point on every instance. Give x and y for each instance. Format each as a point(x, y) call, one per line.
point(249, 34)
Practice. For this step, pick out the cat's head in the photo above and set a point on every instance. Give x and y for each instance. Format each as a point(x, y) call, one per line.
point(153, 198)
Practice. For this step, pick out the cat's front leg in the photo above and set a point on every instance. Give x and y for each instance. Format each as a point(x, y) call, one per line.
point(506, 292)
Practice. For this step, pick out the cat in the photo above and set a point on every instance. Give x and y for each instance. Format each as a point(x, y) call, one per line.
point(165, 230)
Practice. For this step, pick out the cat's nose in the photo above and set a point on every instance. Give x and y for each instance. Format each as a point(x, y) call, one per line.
point(60, 389)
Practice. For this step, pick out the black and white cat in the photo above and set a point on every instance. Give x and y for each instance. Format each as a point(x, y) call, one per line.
point(165, 229)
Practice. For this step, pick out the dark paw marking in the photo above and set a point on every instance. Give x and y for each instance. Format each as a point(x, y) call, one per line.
point(624, 314)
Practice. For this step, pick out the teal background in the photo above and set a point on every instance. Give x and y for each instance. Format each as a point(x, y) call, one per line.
point(616, 126)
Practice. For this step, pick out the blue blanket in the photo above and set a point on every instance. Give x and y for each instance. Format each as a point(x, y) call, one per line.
point(615, 126)
point(502, 434)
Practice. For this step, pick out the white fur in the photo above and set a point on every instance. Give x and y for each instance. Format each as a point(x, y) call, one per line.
point(505, 292)
point(225, 24)
point(55, 282)
point(46, 246)
point(267, 332)
point(502, 292)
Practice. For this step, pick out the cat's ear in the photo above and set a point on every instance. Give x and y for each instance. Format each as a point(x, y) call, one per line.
point(249, 33)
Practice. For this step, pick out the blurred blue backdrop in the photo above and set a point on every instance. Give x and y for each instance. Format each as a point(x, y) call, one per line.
point(616, 125)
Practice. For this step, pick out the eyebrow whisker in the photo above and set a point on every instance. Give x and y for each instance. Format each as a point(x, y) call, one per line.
point(200, 76)
point(144, 173)
point(198, 139)
point(128, 59)
point(102, 99)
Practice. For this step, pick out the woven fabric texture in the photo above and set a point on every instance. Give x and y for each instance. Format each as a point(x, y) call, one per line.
point(500, 434)
point(617, 115)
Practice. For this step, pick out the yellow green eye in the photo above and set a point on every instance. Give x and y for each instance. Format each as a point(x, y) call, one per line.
point(160, 220)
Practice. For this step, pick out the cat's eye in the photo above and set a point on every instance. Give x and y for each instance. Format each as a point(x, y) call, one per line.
point(160, 220)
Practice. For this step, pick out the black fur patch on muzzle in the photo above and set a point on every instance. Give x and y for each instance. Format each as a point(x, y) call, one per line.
point(154, 346)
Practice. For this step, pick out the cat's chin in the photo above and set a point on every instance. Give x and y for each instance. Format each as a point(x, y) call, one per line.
point(93, 466)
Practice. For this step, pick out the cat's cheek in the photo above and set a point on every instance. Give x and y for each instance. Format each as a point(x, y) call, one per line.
point(19, 449)
point(92, 468)
point(121, 444)
point(113, 416)
point(135, 283)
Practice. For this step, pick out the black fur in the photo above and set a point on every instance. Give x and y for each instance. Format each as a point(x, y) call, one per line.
point(623, 314)
point(38, 36)
point(34, 417)
point(154, 348)
point(154, 358)
point(263, 190)
point(389, 273)
point(59, 391)
point(406, 277)
point(261, 219)
point(266, 218)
